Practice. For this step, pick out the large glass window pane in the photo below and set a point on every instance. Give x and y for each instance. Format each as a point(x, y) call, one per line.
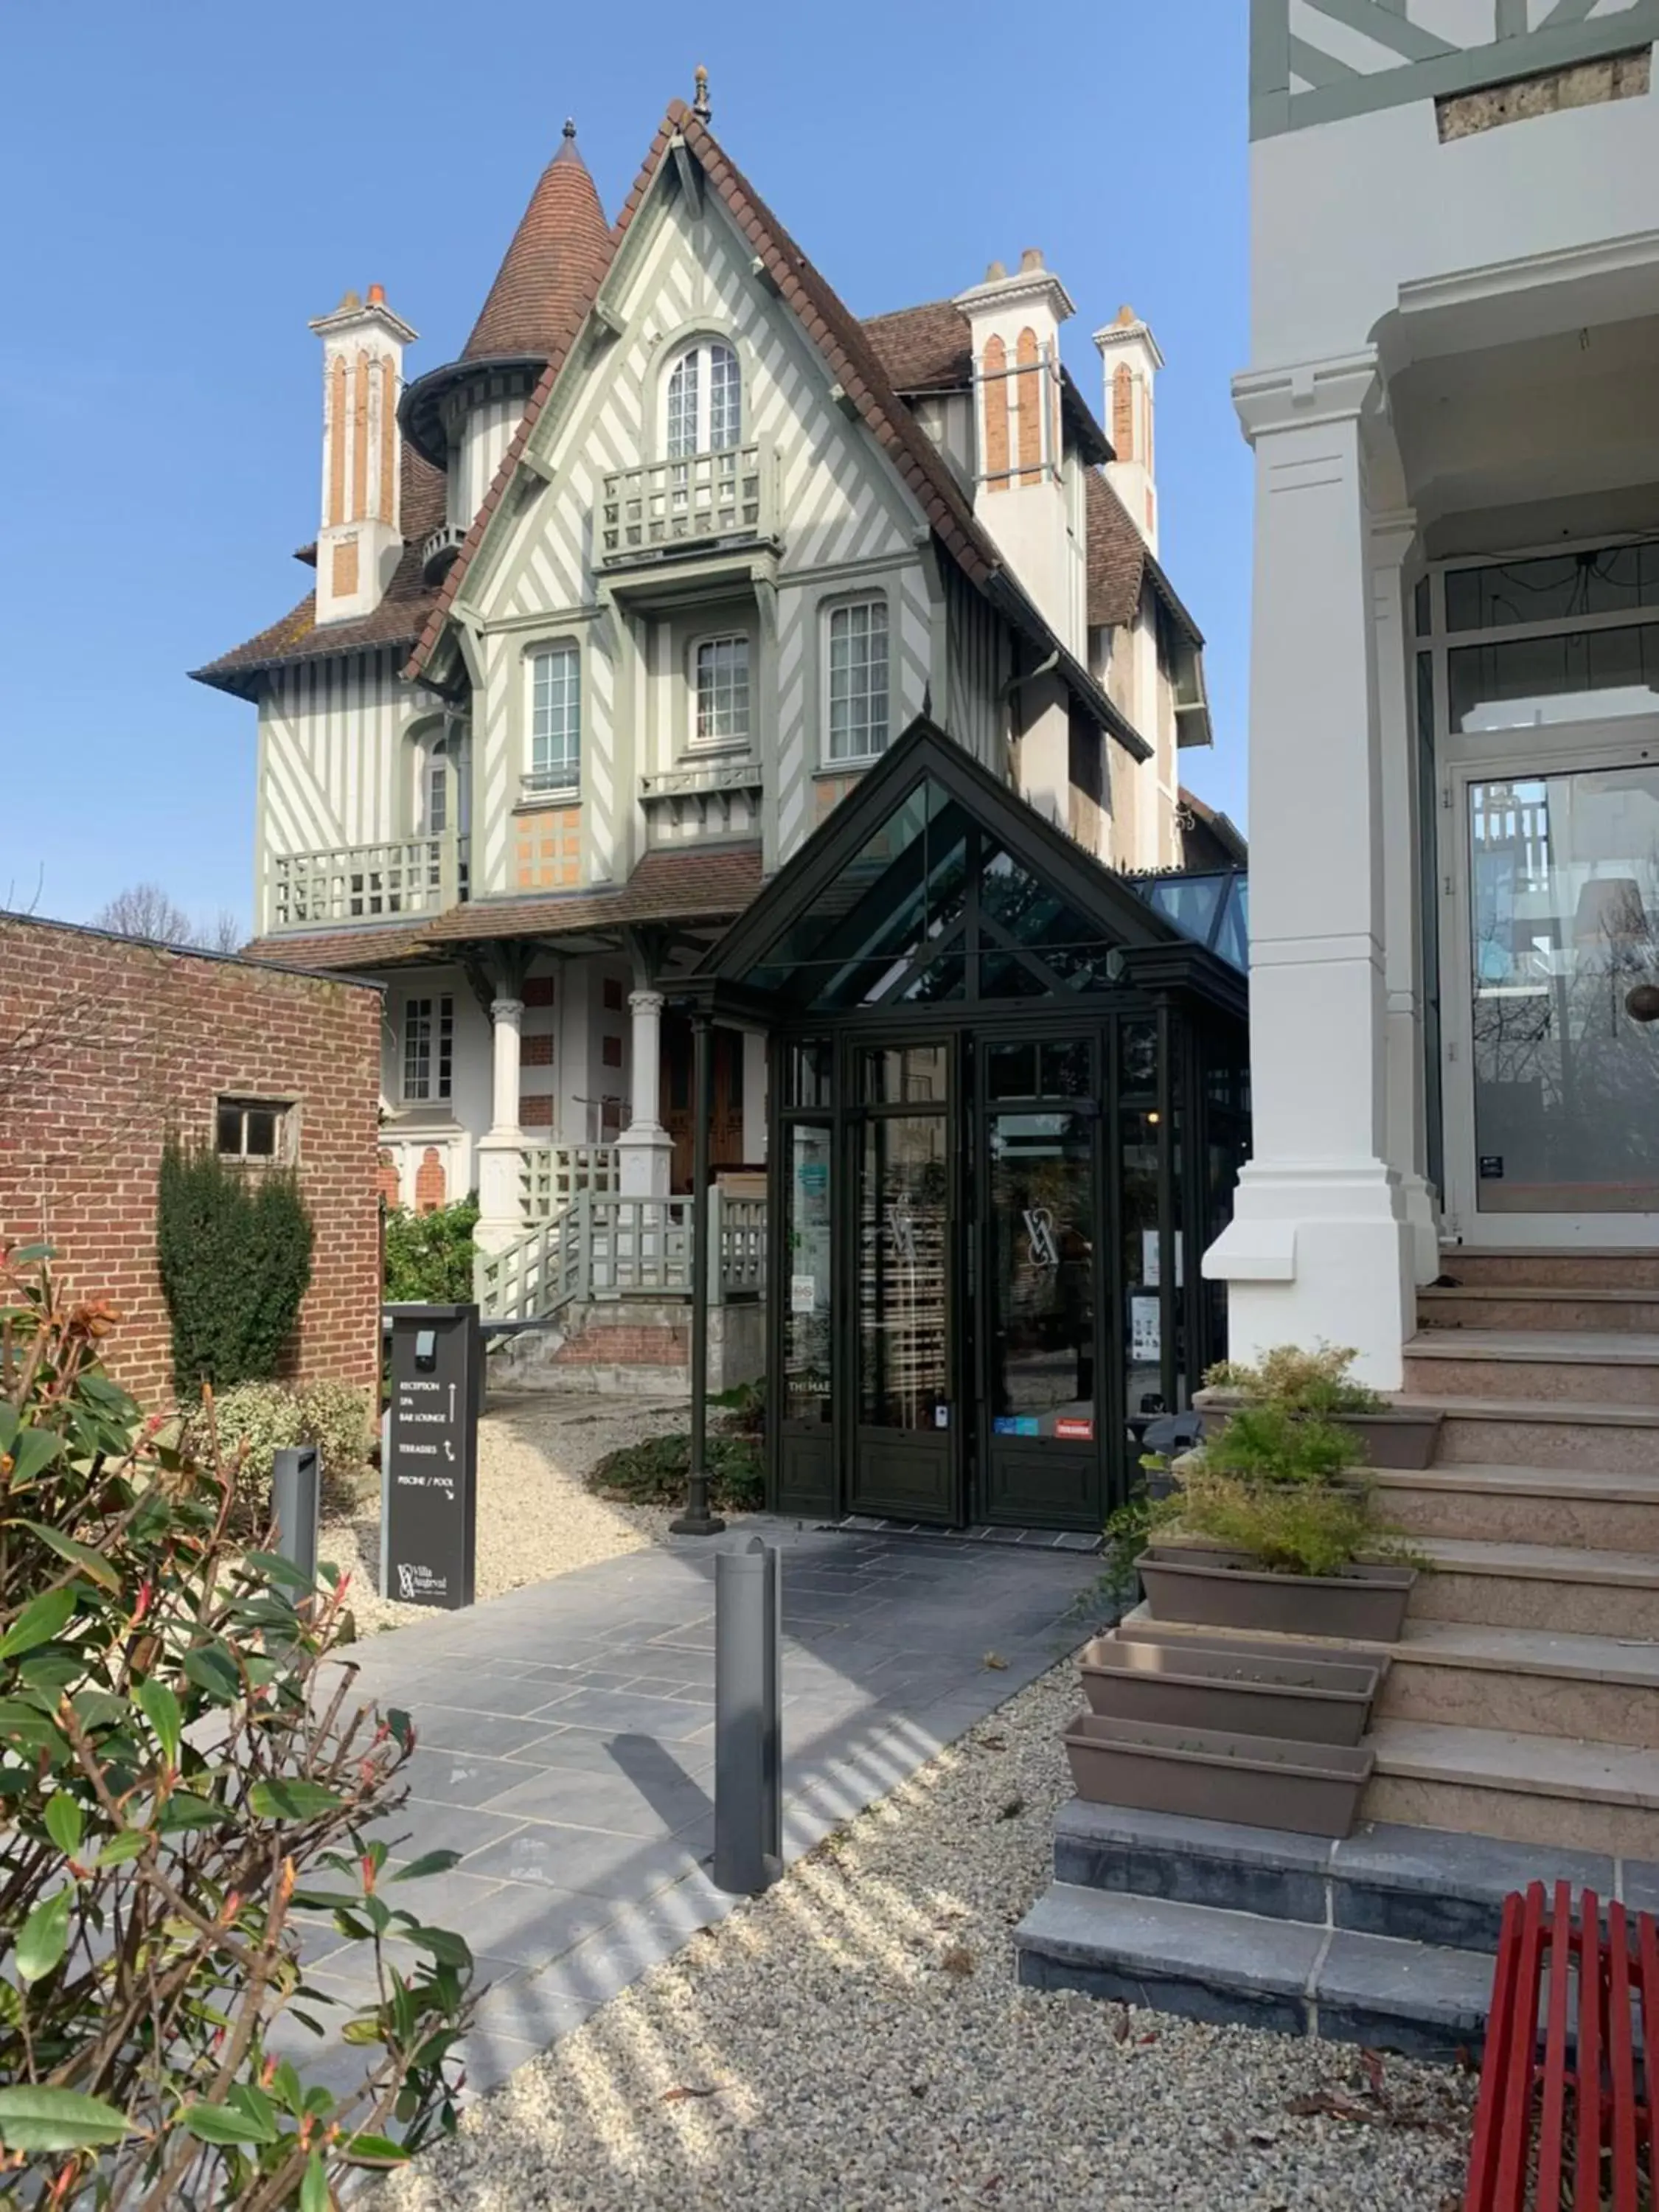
point(858, 680)
point(1575, 677)
point(722, 690)
point(1143, 1329)
point(724, 399)
point(903, 1289)
point(1042, 1212)
point(555, 715)
point(909, 1075)
point(1561, 587)
point(808, 1312)
point(1565, 903)
point(810, 1073)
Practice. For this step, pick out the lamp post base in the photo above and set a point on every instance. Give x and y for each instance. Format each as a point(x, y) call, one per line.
point(697, 1524)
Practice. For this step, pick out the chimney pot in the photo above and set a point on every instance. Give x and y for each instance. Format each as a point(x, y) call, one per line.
point(995, 273)
point(377, 296)
point(1029, 259)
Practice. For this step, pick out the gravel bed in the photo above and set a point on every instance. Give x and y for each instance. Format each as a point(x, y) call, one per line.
point(535, 1518)
point(855, 2039)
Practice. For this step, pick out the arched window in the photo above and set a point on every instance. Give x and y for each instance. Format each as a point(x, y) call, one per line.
point(444, 800)
point(704, 401)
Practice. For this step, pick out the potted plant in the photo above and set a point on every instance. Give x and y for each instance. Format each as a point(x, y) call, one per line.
point(1267, 1689)
point(1319, 1384)
point(1214, 1774)
point(1281, 1542)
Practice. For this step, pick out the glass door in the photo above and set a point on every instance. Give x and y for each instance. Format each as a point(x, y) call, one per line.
point(905, 1461)
point(1558, 1116)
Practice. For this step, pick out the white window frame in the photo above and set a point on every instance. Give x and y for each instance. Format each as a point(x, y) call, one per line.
point(843, 610)
point(284, 1135)
point(734, 740)
point(709, 431)
point(436, 1008)
point(563, 773)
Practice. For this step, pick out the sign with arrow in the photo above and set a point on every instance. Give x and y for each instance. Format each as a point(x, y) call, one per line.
point(429, 1484)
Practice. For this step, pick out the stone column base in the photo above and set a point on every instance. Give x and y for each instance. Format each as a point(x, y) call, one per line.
point(645, 1161)
point(501, 1190)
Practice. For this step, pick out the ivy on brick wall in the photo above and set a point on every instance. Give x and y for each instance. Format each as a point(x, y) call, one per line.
point(233, 1249)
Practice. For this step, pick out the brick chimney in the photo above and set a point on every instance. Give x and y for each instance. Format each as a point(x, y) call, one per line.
point(361, 538)
point(1130, 362)
point(1019, 490)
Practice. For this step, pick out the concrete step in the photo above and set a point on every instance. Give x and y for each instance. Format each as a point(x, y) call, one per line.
point(1560, 1589)
point(1461, 1675)
point(1565, 1507)
point(1554, 1792)
point(1414, 1885)
point(1537, 1306)
point(1607, 1367)
point(1511, 1432)
point(1603, 1267)
point(1237, 1967)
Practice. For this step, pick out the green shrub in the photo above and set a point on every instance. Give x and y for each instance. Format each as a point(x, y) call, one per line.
point(1272, 1443)
point(1317, 1382)
point(428, 1256)
point(654, 1473)
point(178, 1773)
point(234, 1247)
point(1289, 1528)
point(257, 1420)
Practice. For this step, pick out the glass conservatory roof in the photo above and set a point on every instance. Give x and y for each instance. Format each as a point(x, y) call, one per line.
point(1213, 910)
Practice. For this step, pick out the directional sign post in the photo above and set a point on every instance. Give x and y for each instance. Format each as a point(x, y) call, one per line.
point(428, 1536)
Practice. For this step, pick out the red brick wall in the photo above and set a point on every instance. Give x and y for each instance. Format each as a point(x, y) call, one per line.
point(103, 1044)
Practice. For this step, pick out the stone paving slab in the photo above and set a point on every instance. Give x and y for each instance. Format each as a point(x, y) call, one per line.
point(567, 1746)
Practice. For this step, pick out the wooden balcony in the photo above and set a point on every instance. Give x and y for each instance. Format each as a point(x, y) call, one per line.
point(403, 877)
point(701, 502)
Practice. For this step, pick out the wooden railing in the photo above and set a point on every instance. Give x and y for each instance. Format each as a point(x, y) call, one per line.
point(603, 1246)
point(550, 1176)
point(403, 875)
point(669, 506)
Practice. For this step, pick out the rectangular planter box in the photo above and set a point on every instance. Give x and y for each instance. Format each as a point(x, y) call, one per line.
point(1137, 1628)
point(1212, 1774)
point(1264, 1693)
point(1395, 1437)
point(1365, 1603)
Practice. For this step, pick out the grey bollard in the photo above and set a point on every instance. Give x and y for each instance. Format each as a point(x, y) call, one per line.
point(748, 1736)
point(294, 1484)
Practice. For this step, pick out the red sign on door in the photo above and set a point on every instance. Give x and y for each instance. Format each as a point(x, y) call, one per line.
point(1077, 1431)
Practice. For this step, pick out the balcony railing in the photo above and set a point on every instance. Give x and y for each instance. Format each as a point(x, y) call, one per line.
point(605, 1247)
point(403, 877)
point(715, 798)
point(679, 507)
point(551, 1176)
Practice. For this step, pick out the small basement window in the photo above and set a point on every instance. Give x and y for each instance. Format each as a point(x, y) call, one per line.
point(252, 1129)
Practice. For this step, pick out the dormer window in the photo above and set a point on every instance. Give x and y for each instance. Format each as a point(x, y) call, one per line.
point(705, 401)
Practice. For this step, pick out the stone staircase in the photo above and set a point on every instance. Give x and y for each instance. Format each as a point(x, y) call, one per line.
point(1517, 1732)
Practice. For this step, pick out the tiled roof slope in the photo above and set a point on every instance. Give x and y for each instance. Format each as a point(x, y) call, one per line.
point(713, 885)
point(558, 254)
point(1121, 565)
point(930, 349)
point(397, 621)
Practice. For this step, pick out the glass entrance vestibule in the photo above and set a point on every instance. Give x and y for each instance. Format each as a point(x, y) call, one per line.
point(1009, 1101)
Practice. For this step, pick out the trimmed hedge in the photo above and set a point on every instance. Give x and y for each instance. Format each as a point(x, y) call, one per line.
point(232, 1246)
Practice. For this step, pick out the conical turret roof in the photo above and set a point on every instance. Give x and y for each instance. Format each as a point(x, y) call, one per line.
point(557, 255)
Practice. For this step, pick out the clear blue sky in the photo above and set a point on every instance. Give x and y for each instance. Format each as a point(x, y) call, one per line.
point(192, 180)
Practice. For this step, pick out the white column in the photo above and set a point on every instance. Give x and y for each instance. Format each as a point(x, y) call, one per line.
point(500, 1197)
point(647, 1149)
point(1318, 1246)
point(1392, 538)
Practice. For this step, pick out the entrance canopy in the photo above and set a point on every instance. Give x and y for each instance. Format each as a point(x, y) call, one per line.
point(933, 885)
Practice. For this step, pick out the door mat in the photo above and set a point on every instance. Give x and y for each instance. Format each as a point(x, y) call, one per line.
point(1028, 1539)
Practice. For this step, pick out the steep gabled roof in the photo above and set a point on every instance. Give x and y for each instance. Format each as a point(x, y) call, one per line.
point(1121, 565)
point(559, 251)
point(397, 621)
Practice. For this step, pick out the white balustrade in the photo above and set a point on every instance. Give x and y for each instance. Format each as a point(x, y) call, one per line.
point(402, 876)
point(666, 507)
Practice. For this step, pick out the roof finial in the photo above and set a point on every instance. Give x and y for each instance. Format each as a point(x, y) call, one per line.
point(569, 127)
point(700, 106)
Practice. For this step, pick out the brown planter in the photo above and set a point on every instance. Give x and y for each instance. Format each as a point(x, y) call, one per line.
point(1264, 1693)
point(1138, 1627)
point(1398, 1437)
point(1365, 1603)
point(1212, 1774)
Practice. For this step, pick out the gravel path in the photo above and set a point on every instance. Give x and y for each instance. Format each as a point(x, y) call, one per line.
point(854, 2040)
point(535, 1518)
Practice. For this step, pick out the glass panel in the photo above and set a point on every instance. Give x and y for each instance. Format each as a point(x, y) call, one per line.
point(723, 691)
point(810, 1073)
point(1564, 894)
point(910, 1075)
point(261, 1132)
point(1005, 976)
point(807, 1335)
point(683, 406)
point(1232, 936)
point(1012, 1071)
point(555, 714)
point(1579, 675)
point(228, 1127)
point(1421, 601)
point(724, 399)
point(858, 680)
point(1138, 1071)
point(942, 980)
point(904, 1284)
point(1191, 903)
point(1026, 910)
point(1559, 588)
point(1428, 885)
point(1143, 1333)
point(1041, 1333)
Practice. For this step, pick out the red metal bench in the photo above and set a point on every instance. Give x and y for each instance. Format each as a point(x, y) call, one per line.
point(1566, 2119)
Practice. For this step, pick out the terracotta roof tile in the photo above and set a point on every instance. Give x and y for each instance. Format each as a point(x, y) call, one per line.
point(712, 885)
point(1117, 558)
point(929, 348)
point(558, 252)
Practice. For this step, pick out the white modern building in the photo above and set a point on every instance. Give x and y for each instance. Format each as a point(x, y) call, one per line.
point(1453, 401)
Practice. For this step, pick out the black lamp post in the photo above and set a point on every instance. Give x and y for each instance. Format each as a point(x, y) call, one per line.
point(698, 1520)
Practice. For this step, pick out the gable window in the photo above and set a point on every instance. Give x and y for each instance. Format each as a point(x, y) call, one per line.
point(428, 1050)
point(722, 705)
point(705, 401)
point(556, 717)
point(253, 1129)
point(858, 680)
